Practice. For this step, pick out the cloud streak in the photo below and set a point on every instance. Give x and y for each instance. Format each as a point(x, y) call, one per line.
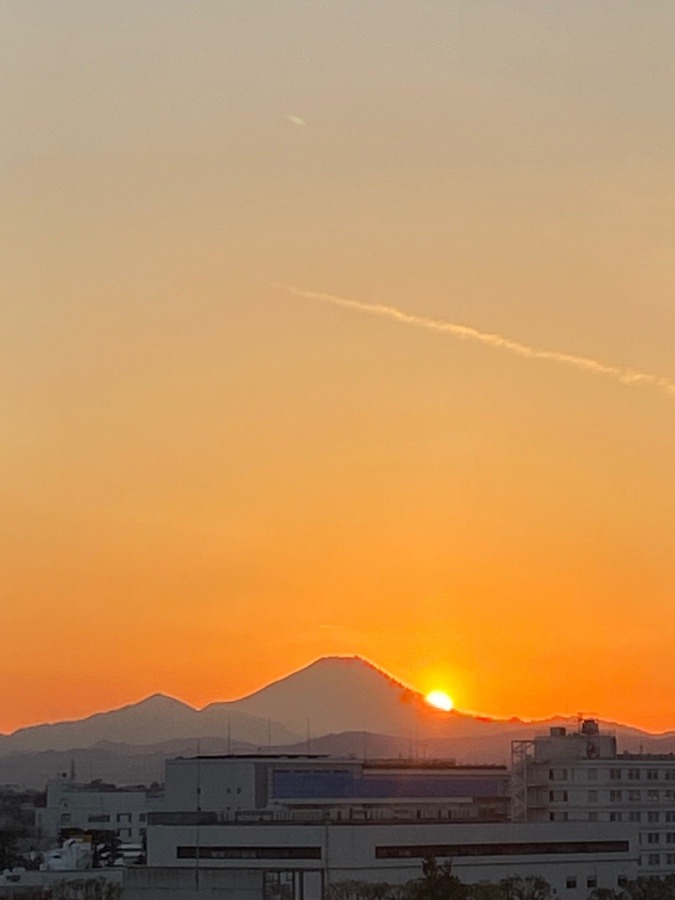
point(491, 339)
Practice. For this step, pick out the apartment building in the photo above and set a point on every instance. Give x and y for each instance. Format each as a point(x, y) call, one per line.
point(578, 776)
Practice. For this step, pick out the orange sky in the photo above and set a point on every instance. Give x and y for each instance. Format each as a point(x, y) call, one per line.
point(206, 481)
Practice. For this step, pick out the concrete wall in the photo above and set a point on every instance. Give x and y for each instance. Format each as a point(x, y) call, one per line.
point(360, 851)
point(163, 884)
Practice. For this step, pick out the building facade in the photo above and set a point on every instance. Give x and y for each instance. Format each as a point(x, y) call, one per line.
point(298, 861)
point(322, 788)
point(578, 776)
point(73, 806)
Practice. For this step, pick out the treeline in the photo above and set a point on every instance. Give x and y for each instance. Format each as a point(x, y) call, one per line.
point(67, 889)
point(439, 883)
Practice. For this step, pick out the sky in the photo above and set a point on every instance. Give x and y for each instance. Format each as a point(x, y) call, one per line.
point(221, 458)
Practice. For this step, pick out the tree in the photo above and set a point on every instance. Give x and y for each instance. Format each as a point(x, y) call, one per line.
point(9, 846)
point(486, 892)
point(437, 883)
point(650, 887)
point(360, 890)
point(531, 888)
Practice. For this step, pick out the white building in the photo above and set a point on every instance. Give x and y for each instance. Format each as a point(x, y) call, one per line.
point(96, 807)
point(262, 827)
point(254, 861)
point(579, 777)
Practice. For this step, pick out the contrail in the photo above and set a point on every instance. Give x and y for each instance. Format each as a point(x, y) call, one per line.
point(469, 333)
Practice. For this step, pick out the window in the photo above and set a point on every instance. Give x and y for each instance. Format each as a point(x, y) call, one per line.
point(615, 796)
point(124, 817)
point(248, 852)
point(670, 815)
point(634, 774)
point(615, 817)
point(670, 837)
point(634, 796)
point(99, 818)
point(634, 816)
point(615, 774)
point(142, 817)
point(652, 795)
point(538, 848)
point(592, 775)
point(670, 859)
point(592, 796)
point(64, 819)
point(652, 774)
point(653, 837)
point(571, 884)
point(653, 859)
point(591, 881)
point(669, 775)
point(652, 817)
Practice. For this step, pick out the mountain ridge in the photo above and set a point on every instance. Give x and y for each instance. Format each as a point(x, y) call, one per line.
point(330, 696)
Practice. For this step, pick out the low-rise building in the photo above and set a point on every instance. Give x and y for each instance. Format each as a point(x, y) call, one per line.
point(255, 861)
point(306, 787)
point(73, 806)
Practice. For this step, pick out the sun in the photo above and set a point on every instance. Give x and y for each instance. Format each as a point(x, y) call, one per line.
point(440, 700)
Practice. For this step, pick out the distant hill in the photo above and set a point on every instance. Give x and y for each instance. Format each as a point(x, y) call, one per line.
point(116, 763)
point(338, 705)
point(157, 718)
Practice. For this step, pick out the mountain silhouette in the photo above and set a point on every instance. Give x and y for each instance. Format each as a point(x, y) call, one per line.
point(339, 705)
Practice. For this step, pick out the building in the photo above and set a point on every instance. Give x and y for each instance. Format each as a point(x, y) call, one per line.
point(298, 861)
point(265, 827)
point(306, 787)
point(578, 776)
point(72, 806)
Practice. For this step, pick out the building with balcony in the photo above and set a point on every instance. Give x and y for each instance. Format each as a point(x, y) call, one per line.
point(578, 776)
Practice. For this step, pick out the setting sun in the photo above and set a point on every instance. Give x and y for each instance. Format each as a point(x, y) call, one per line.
point(440, 700)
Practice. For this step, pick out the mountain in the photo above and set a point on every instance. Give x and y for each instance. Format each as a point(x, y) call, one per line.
point(157, 718)
point(337, 705)
point(338, 693)
point(335, 694)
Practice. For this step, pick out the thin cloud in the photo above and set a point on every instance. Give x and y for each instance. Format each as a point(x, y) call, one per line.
point(296, 120)
point(491, 339)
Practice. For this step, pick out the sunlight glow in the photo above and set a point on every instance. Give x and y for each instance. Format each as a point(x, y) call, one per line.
point(440, 700)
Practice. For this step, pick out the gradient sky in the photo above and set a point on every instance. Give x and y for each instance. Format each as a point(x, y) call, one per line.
point(207, 481)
